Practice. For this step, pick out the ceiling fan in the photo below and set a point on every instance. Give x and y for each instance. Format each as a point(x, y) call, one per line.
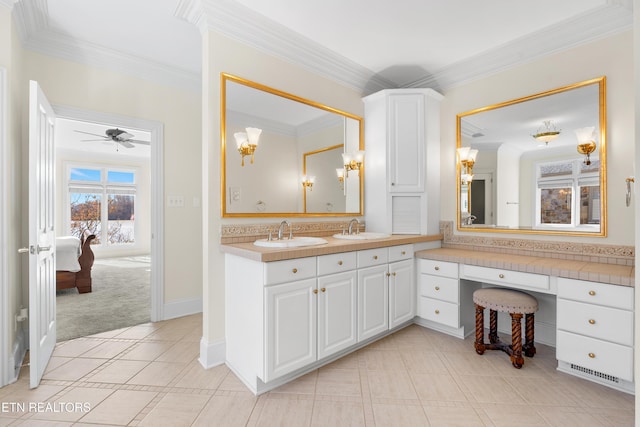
point(119, 136)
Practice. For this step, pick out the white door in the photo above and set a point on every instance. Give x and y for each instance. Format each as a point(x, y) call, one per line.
point(337, 306)
point(291, 311)
point(42, 263)
point(402, 293)
point(373, 301)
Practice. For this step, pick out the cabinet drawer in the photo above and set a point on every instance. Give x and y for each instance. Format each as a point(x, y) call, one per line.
point(289, 270)
point(439, 268)
point(438, 311)
point(609, 324)
point(509, 278)
point(608, 358)
point(596, 293)
point(398, 253)
point(442, 288)
point(336, 263)
point(372, 257)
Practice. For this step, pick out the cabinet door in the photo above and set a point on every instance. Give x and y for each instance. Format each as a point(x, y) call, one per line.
point(373, 301)
point(290, 327)
point(406, 142)
point(337, 307)
point(402, 293)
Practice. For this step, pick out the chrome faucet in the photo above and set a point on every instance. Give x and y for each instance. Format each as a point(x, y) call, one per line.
point(281, 229)
point(470, 219)
point(354, 221)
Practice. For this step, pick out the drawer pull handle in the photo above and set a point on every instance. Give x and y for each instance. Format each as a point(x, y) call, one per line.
point(437, 311)
point(437, 288)
point(592, 355)
point(592, 321)
point(437, 268)
point(339, 262)
point(315, 291)
point(375, 257)
point(295, 270)
point(501, 276)
point(323, 289)
point(592, 293)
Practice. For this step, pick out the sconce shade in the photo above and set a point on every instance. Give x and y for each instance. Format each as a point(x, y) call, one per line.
point(253, 134)
point(241, 138)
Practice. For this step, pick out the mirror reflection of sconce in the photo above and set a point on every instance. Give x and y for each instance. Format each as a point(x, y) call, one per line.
point(340, 173)
point(629, 181)
point(247, 142)
point(467, 158)
point(353, 161)
point(308, 181)
point(547, 132)
point(586, 142)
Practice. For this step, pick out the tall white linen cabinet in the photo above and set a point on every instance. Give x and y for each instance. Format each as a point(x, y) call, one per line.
point(402, 161)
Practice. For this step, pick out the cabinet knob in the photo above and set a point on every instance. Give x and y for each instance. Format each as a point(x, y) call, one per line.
point(393, 274)
point(323, 289)
point(315, 291)
point(592, 355)
point(592, 293)
point(592, 321)
point(375, 257)
point(437, 288)
point(436, 268)
point(403, 253)
point(339, 262)
point(501, 276)
point(295, 270)
point(393, 183)
point(437, 311)
point(388, 274)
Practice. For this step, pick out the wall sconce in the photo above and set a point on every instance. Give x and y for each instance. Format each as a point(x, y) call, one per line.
point(547, 132)
point(467, 158)
point(586, 143)
point(247, 142)
point(308, 181)
point(353, 161)
point(340, 173)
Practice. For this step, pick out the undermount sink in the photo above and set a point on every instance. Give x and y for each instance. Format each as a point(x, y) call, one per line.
point(365, 235)
point(295, 242)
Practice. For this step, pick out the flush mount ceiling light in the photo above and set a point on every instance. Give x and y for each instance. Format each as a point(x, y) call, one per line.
point(586, 142)
point(547, 132)
point(247, 142)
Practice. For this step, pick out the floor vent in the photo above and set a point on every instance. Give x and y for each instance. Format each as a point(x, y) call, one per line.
point(593, 373)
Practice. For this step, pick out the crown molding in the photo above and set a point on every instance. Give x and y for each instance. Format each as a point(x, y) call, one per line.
point(31, 19)
point(596, 24)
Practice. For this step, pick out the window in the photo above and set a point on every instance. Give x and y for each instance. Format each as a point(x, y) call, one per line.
point(568, 194)
point(102, 202)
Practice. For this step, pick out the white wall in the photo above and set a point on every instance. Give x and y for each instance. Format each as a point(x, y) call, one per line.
point(611, 57)
point(75, 85)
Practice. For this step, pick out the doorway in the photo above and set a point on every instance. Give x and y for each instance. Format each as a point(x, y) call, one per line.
point(136, 259)
point(482, 198)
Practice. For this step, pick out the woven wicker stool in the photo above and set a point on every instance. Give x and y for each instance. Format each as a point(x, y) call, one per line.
point(515, 303)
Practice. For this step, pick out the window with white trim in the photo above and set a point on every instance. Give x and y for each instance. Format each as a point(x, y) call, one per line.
point(101, 201)
point(568, 194)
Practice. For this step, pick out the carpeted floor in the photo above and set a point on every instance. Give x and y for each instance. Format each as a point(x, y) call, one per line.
point(120, 297)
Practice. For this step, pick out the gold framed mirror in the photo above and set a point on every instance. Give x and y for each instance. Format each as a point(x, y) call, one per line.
point(265, 134)
point(535, 164)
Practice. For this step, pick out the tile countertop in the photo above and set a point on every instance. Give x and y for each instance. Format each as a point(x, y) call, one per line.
point(583, 270)
point(333, 246)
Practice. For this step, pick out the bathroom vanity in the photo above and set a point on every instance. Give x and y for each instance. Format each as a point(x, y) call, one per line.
point(290, 311)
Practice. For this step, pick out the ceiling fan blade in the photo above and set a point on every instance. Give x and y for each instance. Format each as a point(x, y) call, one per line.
point(89, 140)
point(89, 133)
point(124, 136)
point(137, 141)
point(126, 144)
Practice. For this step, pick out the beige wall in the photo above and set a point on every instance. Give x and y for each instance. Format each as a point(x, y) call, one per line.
point(611, 57)
point(221, 54)
point(75, 85)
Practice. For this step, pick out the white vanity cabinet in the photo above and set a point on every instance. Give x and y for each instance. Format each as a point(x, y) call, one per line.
point(439, 291)
point(285, 317)
point(402, 161)
point(595, 330)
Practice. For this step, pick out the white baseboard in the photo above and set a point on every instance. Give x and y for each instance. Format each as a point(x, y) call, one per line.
point(183, 307)
point(212, 354)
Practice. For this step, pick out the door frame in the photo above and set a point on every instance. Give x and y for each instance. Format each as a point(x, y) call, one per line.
point(157, 190)
point(7, 372)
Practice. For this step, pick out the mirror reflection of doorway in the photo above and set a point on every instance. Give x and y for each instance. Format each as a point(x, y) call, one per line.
point(481, 198)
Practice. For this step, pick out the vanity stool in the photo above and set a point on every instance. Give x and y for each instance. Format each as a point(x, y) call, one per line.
point(515, 303)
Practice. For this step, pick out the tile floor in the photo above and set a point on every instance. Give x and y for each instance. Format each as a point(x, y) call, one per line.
point(148, 375)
